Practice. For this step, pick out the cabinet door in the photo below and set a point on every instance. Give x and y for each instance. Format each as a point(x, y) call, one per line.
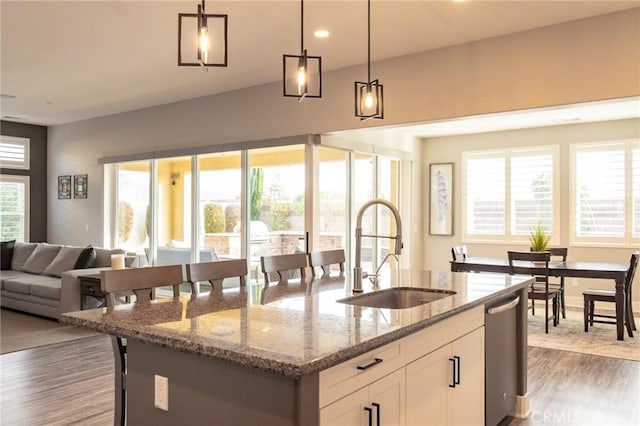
point(428, 380)
point(470, 392)
point(389, 393)
point(347, 411)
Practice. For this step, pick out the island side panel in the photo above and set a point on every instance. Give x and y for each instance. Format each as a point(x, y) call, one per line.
point(204, 391)
point(522, 322)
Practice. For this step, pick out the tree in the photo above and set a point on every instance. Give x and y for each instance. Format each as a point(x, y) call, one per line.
point(125, 220)
point(279, 207)
point(232, 215)
point(214, 220)
point(256, 184)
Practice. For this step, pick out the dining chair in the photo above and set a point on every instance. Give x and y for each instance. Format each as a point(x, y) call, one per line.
point(216, 272)
point(141, 282)
point(325, 258)
point(595, 295)
point(540, 291)
point(281, 263)
point(459, 253)
point(559, 254)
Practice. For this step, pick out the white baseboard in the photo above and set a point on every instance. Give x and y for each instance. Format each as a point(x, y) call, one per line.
point(578, 303)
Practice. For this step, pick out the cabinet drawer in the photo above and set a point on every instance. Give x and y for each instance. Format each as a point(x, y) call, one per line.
point(358, 372)
point(431, 338)
point(90, 287)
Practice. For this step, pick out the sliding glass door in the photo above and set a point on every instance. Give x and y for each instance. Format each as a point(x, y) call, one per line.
point(133, 209)
point(196, 208)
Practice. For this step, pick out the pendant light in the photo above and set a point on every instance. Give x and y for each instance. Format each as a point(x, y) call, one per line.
point(204, 42)
point(301, 74)
point(369, 95)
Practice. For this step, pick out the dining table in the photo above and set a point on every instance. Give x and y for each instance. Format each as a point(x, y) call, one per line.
point(572, 269)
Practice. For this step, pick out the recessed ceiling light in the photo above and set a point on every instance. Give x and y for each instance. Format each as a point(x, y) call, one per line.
point(321, 33)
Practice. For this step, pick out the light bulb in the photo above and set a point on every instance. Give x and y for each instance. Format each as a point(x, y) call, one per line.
point(369, 101)
point(302, 79)
point(204, 44)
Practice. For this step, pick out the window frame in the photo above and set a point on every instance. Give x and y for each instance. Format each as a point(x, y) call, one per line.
point(26, 180)
point(508, 237)
point(627, 240)
point(16, 165)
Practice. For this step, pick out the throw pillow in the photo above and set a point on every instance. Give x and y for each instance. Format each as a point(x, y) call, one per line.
point(64, 261)
point(21, 252)
point(41, 257)
point(103, 256)
point(6, 254)
point(87, 258)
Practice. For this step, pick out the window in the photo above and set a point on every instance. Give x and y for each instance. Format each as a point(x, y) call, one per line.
point(14, 153)
point(605, 189)
point(14, 208)
point(195, 208)
point(509, 191)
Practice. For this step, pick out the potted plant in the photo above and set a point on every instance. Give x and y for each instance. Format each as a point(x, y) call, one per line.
point(539, 238)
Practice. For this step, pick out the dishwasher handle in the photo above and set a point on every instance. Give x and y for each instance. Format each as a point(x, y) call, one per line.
point(502, 308)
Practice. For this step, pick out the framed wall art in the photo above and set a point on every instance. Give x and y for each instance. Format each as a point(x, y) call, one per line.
point(441, 199)
point(80, 186)
point(64, 187)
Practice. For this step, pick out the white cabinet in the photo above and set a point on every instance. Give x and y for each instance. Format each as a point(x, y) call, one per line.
point(446, 387)
point(407, 382)
point(380, 403)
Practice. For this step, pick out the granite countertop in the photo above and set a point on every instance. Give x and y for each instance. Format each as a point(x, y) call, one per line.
point(293, 329)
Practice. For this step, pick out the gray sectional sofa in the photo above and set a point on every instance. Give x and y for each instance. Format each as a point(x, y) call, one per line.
point(42, 278)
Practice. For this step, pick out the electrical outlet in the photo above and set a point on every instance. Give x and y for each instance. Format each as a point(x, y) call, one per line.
point(161, 398)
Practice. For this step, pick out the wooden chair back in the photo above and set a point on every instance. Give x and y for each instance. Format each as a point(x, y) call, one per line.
point(459, 253)
point(542, 257)
point(281, 263)
point(324, 259)
point(216, 272)
point(560, 252)
point(631, 272)
point(140, 281)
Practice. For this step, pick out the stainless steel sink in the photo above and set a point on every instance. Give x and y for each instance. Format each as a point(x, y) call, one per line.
point(398, 297)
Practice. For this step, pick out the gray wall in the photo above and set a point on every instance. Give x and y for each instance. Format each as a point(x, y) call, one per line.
point(37, 174)
point(585, 60)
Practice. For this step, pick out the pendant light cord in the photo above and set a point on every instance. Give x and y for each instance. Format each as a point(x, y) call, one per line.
point(368, 41)
point(301, 26)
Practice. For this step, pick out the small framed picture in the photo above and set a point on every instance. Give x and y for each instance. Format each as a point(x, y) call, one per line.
point(80, 186)
point(64, 187)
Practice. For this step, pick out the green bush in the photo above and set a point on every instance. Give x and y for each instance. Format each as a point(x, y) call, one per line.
point(214, 220)
point(232, 215)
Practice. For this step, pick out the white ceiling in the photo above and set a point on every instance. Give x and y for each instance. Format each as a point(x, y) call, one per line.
point(72, 60)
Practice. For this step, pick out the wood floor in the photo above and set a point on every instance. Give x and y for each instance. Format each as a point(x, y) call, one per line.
point(72, 384)
point(62, 384)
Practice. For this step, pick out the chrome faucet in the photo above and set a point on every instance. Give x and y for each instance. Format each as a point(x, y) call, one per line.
point(374, 277)
point(358, 275)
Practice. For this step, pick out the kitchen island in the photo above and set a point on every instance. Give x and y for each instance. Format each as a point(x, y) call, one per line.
point(293, 354)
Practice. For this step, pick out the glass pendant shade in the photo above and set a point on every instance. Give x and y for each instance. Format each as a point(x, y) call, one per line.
point(369, 100)
point(301, 76)
point(202, 39)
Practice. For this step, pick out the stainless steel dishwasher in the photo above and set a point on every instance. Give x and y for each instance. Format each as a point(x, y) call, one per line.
point(500, 358)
